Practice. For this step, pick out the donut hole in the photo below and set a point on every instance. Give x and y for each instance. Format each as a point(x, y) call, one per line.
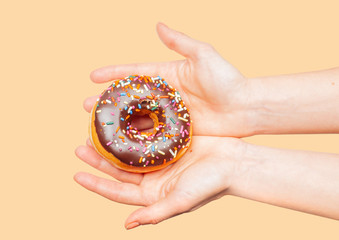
point(143, 123)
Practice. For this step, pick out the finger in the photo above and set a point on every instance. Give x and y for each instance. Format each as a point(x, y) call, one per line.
point(161, 210)
point(109, 73)
point(126, 193)
point(91, 157)
point(179, 42)
point(89, 103)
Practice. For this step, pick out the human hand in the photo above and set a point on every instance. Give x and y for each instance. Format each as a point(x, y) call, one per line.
point(202, 175)
point(215, 92)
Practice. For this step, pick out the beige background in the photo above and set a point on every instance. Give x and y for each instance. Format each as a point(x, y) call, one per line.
point(47, 50)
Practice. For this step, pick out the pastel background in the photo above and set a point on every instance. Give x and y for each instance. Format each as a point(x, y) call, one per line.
point(48, 49)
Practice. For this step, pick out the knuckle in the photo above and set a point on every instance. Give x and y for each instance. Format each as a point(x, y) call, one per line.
point(154, 221)
point(205, 48)
point(172, 44)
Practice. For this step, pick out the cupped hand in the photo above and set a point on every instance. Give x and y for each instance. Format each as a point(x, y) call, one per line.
point(200, 176)
point(215, 91)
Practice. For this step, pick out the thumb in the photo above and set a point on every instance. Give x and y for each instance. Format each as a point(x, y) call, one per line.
point(179, 42)
point(159, 211)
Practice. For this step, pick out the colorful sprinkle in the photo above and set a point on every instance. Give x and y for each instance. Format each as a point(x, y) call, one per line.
point(172, 120)
point(183, 119)
point(161, 152)
point(117, 129)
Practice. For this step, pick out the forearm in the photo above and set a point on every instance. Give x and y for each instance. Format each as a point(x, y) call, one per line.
point(301, 180)
point(300, 103)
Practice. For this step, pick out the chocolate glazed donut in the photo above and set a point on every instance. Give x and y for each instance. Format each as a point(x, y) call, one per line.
point(116, 139)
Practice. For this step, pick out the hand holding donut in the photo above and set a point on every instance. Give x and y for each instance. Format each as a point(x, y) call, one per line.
point(200, 79)
point(199, 177)
point(214, 91)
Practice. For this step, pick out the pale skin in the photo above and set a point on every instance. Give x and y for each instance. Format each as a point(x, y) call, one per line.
point(224, 103)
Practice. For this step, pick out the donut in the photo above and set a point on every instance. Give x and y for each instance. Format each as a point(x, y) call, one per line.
point(115, 135)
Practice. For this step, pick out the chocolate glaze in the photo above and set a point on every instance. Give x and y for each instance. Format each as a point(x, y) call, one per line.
point(140, 95)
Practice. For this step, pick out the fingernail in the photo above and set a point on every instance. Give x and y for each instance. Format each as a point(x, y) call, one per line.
point(132, 225)
point(161, 23)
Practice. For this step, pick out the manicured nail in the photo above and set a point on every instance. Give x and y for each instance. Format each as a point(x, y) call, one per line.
point(132, 225)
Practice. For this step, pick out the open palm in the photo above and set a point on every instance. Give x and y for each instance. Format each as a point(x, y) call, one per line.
point(199, 177)
point(213, 89)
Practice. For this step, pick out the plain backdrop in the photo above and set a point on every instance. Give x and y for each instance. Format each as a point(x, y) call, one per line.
point(49, 48)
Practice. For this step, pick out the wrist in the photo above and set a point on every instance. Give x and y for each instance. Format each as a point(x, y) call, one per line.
point(257, 109)
point(250, 104)
point(232, 152)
